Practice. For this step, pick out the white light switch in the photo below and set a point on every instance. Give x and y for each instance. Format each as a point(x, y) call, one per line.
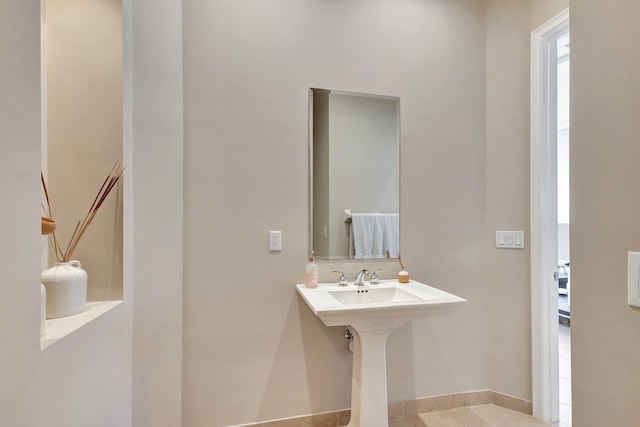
point(275, 240)
point(510, 239)
point(633, 278)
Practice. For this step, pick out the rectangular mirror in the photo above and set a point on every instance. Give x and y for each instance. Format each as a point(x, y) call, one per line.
point(354, 149)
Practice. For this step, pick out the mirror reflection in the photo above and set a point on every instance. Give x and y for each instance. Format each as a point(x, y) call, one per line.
point(354, 175)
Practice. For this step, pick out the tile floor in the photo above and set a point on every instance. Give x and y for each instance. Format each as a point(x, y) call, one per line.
point(470, 416)
point(565, 375)
point(496, 416)
point(477, 415)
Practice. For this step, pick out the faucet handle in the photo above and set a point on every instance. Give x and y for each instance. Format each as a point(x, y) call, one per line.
point(374, 276)
point(342, 281)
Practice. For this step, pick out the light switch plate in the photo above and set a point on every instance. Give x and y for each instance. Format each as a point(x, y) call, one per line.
point(633, 278)
point(510, 239)
point(275, 240)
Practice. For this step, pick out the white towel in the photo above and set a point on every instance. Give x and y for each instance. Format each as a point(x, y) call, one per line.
point(391, 234)
point(372, 234)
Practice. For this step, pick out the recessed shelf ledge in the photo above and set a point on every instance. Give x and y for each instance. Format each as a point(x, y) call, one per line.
point(56, 329)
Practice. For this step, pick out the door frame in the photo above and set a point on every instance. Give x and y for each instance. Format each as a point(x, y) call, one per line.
point(544, 232)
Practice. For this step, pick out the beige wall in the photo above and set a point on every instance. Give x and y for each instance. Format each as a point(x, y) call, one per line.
point(465, 174)
point(507, 201)
point(509, 26)
point(252, 349)
point(87, 378)
point(19, 167)
point(153, 206)
point(84, 132)
point(544, 10)
point(605, 210)
point(81, 380)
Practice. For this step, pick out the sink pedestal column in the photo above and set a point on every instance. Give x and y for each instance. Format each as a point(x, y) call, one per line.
point(369, 379)
point(372, 312)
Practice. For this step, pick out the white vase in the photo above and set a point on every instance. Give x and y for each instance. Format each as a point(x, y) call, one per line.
point(43, 308)
point(66, 284)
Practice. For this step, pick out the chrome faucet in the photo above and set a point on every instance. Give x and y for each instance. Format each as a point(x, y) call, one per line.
point(359, 280)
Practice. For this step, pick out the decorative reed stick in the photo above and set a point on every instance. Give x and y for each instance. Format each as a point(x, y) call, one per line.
point(53, 238)
point(81, 227)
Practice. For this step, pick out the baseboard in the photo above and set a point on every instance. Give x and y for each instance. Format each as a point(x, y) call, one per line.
point(407, 408)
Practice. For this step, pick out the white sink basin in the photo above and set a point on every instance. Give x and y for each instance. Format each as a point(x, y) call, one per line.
point(386, 304)
point(386, 295)
point(372, 312)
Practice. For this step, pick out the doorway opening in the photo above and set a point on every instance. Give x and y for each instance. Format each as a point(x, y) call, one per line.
point(550, 265)
point(564, 254)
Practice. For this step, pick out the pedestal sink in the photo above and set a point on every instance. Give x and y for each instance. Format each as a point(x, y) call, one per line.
point(372, 312)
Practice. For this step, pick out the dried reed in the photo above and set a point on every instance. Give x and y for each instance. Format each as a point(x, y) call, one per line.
point(81, 227)
point(47, 212)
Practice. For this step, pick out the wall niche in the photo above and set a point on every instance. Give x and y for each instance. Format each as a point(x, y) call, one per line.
point(83, 133)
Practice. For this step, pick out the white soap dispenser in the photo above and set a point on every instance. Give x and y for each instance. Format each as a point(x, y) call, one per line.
point(311, 272)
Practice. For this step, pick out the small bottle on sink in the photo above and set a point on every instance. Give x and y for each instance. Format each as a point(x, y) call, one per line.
point(311, 272)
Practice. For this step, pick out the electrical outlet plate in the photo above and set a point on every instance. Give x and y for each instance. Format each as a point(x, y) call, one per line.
point(633, 278)
point(275, 240)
